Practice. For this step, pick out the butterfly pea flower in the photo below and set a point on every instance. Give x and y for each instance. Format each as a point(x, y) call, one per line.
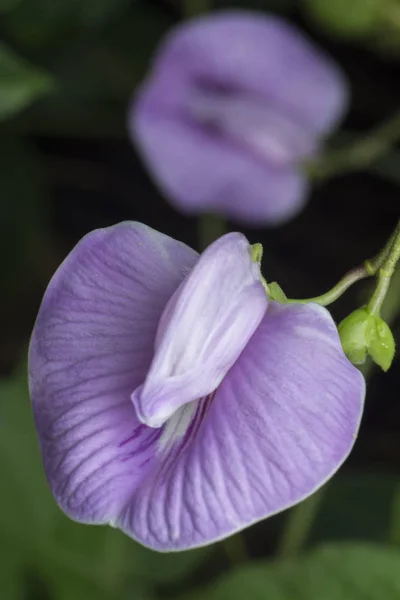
point(233, 106)
point(173, 400)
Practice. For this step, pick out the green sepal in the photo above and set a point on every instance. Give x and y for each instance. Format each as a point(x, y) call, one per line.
point(363, 334)
point(381, 344)
point(275, 292)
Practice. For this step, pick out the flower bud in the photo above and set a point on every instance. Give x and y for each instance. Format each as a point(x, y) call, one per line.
point(352, 331)
point(381, 345)
point(363, 334)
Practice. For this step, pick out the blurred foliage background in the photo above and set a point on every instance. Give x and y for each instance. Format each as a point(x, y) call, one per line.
point(68, 69)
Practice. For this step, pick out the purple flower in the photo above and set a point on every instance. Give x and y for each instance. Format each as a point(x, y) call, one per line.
point(172, 400)
point(235, 102)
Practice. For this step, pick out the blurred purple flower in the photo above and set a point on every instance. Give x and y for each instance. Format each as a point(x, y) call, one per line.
point(235, 102)
point(172, 401)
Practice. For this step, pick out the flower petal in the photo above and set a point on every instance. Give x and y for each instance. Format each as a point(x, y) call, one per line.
point(251, 52)
point(200, 172)
point(91, 346)
point(265, 131)
point(281, 423)
point(244, 172)
point(203, 330)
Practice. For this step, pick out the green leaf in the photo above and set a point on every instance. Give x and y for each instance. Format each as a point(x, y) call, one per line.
point(163, 568)
point(22, 478)
point(97, 77)
point(332, 572)
point(355, 506)
point(21, 83)
point(10, 577)
point(6, 5)
point(73, 560)
point(45, 21)
point(28, 255)
point(345, 18)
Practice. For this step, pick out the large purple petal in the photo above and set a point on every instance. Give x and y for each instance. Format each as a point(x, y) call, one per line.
point(203, 173)
point(282, 422)
point(266, 132)
point(91, 347)
point(203, 330)
point(250, 52)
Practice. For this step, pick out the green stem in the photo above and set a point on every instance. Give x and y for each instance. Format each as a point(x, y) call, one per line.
point(384, 263)
point(332, 295)
point(210, 228)
point(385, 273)
point(373, 264)
point(298, 525)
point(360, 154)
point(113, 559)
point(235, 549)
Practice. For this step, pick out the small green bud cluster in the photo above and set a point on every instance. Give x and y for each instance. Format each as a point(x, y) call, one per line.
point(364, 334)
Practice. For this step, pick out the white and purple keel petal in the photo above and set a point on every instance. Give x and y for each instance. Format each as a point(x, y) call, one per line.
point(203, 330)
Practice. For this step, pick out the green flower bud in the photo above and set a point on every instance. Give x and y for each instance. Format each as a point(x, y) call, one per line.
point(381, 344)
point(352, 331)
point(363, 334)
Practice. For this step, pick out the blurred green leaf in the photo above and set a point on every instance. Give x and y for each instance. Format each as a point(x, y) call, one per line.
point(6, 5)
point(135, 39)
point(97, 75)
point(43, 21)
point(332, 572)
point(26, 252)
point(22, 475)
point(394, 533)
point(74, 561)
point(164, 569)
point(10, 580)
point(21, 83)
point(345, 18)
point(355, 506)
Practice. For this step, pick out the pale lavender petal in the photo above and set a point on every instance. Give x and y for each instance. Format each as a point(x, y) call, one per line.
point(264, 130)
point(91, 347)
point(281, 423)
point(203, 173)
point(254, 53)
point(203, 330)
point(234, 102)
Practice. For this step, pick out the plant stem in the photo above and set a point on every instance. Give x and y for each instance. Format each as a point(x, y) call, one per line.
point(332, 295)
point(384, 263)
point(359, 154)
point(210, 228)
point(235, 549)
point(386, 270)
point(298, 525)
